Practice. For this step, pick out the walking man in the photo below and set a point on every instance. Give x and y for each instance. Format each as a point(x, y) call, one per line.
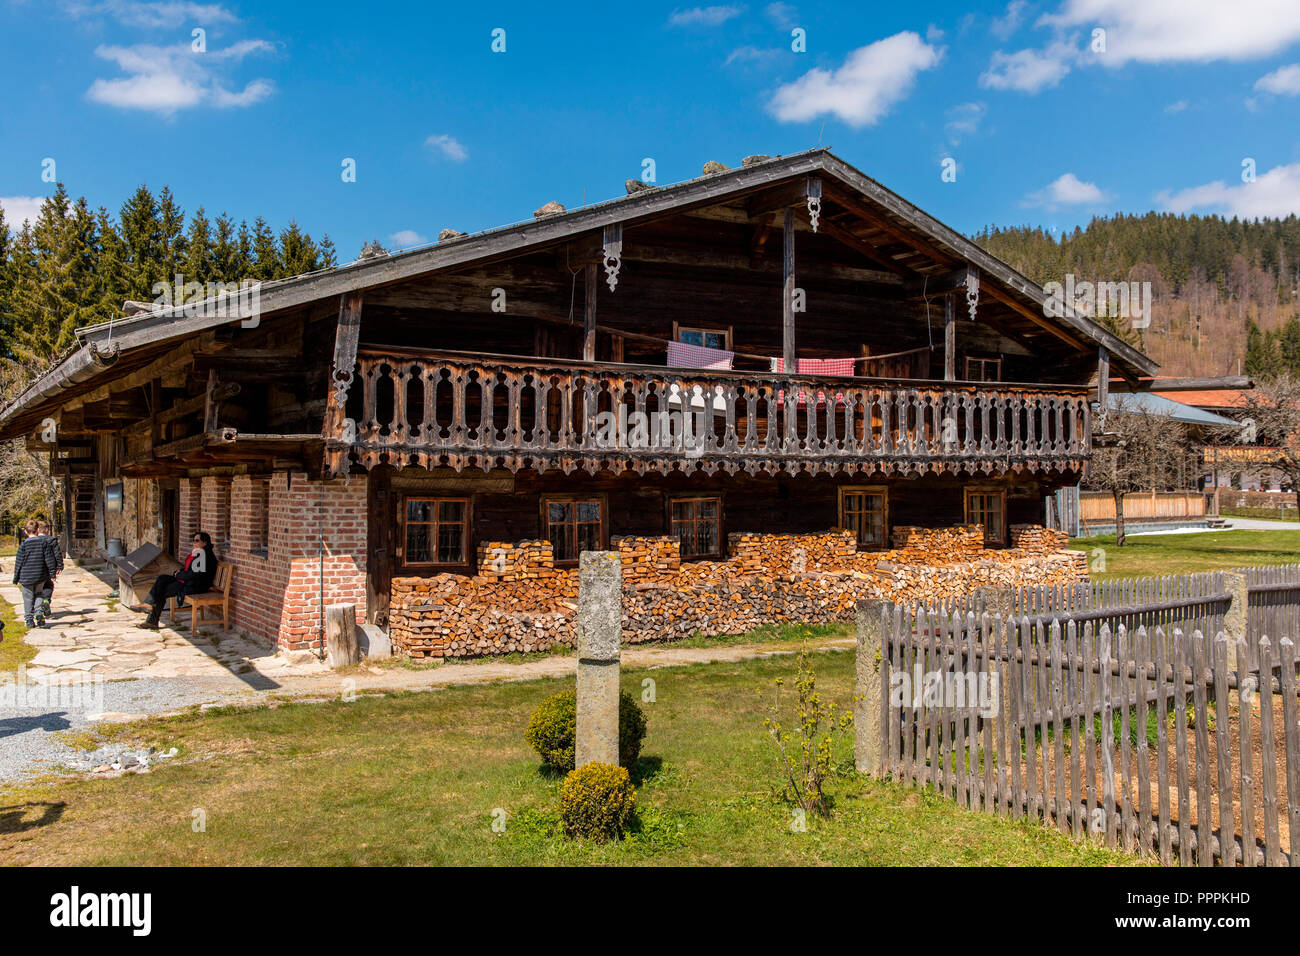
point(34, 570)
point(195, 578)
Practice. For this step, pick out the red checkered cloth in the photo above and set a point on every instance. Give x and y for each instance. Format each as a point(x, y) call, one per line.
point(809, 366)
point(681, 355)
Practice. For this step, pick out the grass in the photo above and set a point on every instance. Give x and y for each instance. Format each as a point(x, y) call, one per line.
point(14, 651)
point(1267, 514)
point(1178, 553)
point(420, 779)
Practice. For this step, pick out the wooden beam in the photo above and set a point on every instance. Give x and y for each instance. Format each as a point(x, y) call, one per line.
point(589, 315)
point(787, 303)
point(1103, 379)
point(759, 240)
point(346, 337)
point(949, 338)
point(863, 248)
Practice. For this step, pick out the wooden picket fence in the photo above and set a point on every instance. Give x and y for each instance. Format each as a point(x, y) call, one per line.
point(1097, 711)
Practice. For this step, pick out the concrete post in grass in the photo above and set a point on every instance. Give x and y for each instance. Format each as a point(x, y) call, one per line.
point(600, 634)
point(869, 690)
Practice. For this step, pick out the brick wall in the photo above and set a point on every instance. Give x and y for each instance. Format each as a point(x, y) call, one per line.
point(277, 590)
point(214, 511)
point(190, 520)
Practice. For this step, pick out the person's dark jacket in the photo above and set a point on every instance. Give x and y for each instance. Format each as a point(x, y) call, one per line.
point(196, 582)
point(34, 564)
point(56, 552)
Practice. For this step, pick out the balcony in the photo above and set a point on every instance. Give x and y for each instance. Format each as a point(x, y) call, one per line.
point(470, 410)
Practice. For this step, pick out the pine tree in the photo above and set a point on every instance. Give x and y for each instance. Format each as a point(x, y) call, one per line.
point(266, 252)
point(58, 289)
point(199, 255)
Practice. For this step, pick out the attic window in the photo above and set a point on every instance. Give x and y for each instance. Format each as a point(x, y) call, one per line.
point(705, 338)
point(983, 369)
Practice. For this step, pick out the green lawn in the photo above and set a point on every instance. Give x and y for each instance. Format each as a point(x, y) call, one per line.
point(13, 649)
point(1177, 553)
point(416, 779)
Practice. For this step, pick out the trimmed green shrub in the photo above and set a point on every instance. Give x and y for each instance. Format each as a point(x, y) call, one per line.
point(596, 802)
point(554, 725)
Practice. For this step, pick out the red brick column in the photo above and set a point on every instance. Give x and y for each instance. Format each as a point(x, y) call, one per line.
point(214, 514)
point(312, 526)
point(190, 499)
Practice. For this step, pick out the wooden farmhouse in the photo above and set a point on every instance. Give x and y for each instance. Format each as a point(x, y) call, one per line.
point(783, 348)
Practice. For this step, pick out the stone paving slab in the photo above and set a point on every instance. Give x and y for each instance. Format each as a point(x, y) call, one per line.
point(90, 633)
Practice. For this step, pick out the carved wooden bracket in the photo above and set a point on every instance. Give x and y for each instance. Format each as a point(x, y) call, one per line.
point(814, 202)
point(972, 291)
point(613, 248)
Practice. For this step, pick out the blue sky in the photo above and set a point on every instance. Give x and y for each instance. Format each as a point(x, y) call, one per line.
point(1048, 122)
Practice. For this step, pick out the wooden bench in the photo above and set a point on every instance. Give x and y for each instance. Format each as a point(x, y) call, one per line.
point(217, 597)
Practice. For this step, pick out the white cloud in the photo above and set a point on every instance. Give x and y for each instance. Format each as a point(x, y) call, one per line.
point(1007, 24)
point(448, 146)
point(155, 16)
point(20, 208)
point(862, 91)
point(752, 54)
point(704, 16)
point(1029, 70)
point(1170, 31)
point(1276, 194)
point(1284, 81)
point(1067, 190)
point(164, 79)
point(782, 14)
point(964, 120)
point(1176, 107)
point(404, 238)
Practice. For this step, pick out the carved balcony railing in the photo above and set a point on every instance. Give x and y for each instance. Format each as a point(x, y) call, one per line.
point(484, 411)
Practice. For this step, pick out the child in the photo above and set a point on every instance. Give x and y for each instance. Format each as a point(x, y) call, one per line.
point(34, 569)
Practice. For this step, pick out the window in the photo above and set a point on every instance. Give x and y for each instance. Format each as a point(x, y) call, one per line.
point(697, 523)
point(983, 369)
point(573, 525)
point(864, 511)
point(988, 508)
point(436, 531)
point(707, 338)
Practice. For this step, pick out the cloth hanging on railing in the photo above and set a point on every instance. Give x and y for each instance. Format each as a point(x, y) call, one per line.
point(811, 366)
point(684, 355)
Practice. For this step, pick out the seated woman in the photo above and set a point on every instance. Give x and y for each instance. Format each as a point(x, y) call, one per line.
point(195, 578)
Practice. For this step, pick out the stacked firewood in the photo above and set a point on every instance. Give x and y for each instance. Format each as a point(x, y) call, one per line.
point(913, 545)
point(531, 605)
point(1035, 537)
point(793, 553)
point(644, 557)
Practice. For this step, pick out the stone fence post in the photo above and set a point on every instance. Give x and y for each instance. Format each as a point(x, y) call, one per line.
point(600, 634)
point(869, 690)
point(1234, 619)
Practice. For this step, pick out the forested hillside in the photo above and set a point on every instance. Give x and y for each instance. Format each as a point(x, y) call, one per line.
point(1211, 278)
point(75, 266)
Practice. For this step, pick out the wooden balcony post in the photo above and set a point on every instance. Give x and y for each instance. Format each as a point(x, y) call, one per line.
point(589, 316)
point(949, 338)
point(787, 304)
point(1103, 379)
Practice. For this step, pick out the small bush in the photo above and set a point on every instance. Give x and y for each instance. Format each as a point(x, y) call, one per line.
point(596, 802)
point(554, 725)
